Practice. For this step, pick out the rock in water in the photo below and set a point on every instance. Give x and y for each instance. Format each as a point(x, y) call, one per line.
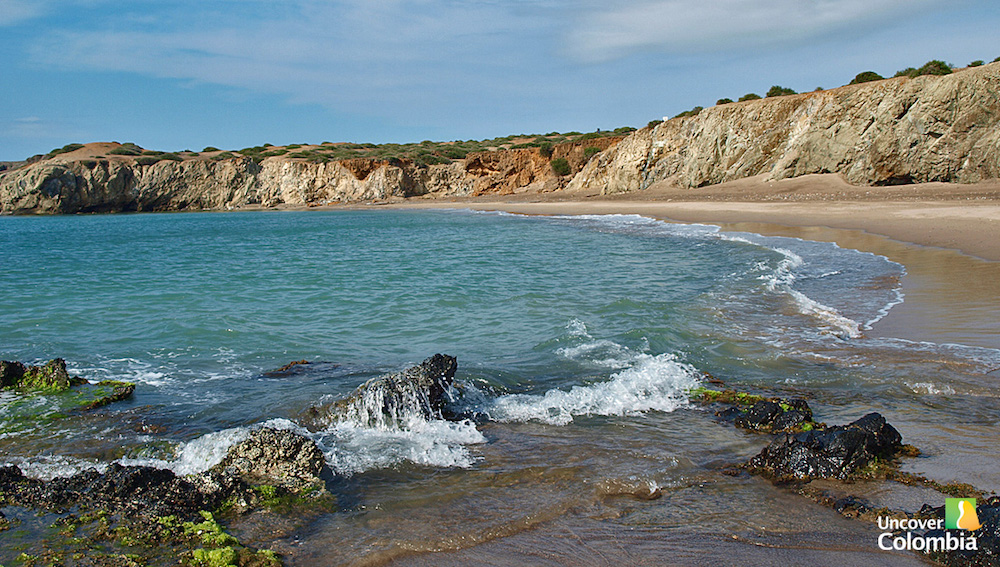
point(836, 452)
point(276, 457)
point(393, 400)
point(52, 376)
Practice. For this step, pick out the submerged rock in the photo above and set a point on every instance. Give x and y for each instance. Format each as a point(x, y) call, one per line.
point(276, 457)
point(393, 400)
point(840, 452)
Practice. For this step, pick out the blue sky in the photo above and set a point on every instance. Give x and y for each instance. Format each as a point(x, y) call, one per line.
point(176, 75)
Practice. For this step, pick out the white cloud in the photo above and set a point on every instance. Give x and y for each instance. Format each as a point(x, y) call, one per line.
point(683, 26)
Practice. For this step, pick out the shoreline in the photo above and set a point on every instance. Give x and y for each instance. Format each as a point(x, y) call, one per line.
point(952, 282)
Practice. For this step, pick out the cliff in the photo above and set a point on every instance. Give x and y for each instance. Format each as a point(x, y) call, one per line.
point(86, 180)
point(881, 133)
point(887, 132)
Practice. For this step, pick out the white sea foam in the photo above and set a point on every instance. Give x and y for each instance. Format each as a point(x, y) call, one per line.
point(654, 383)
point(350, 448)
point(50, 467)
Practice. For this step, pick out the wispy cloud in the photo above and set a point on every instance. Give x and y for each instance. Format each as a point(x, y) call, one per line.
point(355, 54)
point(682, 26)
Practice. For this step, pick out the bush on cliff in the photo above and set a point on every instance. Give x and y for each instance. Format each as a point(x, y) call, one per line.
point(779, 91)
point(688, 113)
point(65, 149)
point(977, 63)
point(561, 166)
point(866, 77)
point(590, 152)
point(933, 67)
point(654, 123)
point(722, 101)
point(749, 96)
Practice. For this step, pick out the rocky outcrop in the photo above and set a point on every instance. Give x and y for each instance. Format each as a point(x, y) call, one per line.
point(52, 376)
point(276, 457)
point(116, 184)
point(392, 401)
point(882, 133)
point(840, 452)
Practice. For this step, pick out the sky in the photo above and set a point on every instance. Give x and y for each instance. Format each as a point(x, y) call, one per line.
point(176, 75)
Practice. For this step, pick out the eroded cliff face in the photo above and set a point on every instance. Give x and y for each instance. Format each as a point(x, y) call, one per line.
point(883, 133)
point(116, 183)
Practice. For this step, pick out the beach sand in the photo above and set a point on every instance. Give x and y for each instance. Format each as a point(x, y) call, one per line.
point(947, 236)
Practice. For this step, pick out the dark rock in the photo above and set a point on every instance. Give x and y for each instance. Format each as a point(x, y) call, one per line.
point(51, 376)
point(760, 416)
point(390, 401)
point(276, 457)
point(836, 452)
point(145, 492)
point(770, 415)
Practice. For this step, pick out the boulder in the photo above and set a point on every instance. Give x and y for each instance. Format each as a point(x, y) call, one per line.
point(840, 452)
point(51, 376)
point(275, 457)
point(768, 415)
point(391, 401)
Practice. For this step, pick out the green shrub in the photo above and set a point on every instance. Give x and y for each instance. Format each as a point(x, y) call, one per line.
point(624, 130)
point(573, 133)
point(935, 67)
point(590, 152)
point(147, 160)
point(908, 72)
point(866, 77)
point(588, 136)
point(779, 91)
point(997, 60)
point(66, 149)
point(170, 156)
point(545, 148)
point(723, 101)
point(653, 123)
point(210, 149)
point(977, 63)
point(223, 155)
point(126, 150)
point(152, 153)
point(454, 153)
point(560, 166)
point(693, 112)
point(749, 96)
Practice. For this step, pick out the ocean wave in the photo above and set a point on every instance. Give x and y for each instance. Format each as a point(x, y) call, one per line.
point(653, 383)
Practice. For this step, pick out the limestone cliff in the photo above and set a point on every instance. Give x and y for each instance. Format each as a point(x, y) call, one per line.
point(882, 133)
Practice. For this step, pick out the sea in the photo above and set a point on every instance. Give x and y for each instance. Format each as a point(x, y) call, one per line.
point(578, 339)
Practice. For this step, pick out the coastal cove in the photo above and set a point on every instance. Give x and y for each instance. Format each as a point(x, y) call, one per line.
point(577, 336)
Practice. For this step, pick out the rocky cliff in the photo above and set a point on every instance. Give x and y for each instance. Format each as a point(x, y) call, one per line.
point(78, 181)
point(887, 132)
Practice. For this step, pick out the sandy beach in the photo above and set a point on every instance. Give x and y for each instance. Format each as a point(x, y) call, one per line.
point(945, 235)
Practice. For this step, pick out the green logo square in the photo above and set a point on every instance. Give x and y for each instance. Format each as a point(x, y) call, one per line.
point(953, 511)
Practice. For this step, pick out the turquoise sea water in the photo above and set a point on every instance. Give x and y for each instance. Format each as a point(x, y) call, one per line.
point(576, 339)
